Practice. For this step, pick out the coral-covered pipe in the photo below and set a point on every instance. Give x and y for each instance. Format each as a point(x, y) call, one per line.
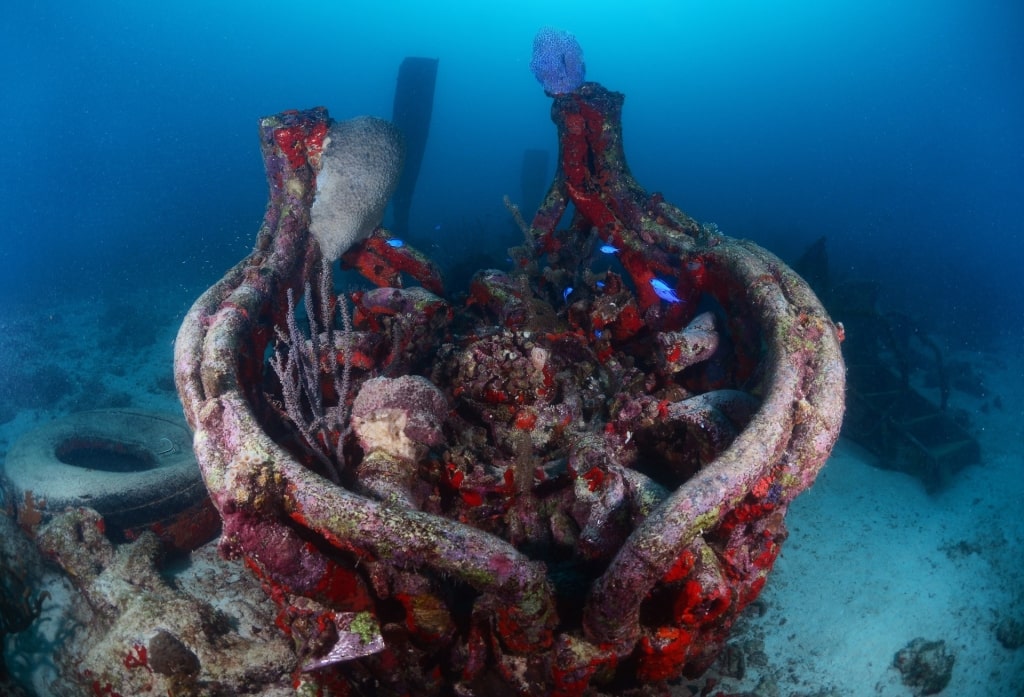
point(790, 436)
point(652, 237)
point(262, 493)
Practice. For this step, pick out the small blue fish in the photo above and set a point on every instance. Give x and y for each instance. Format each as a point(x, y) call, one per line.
point(566, 293)
point(609, 249)
point(598, 333)
point(599, 284)
point(437, 228)
point(396, 243)
point(664, 291)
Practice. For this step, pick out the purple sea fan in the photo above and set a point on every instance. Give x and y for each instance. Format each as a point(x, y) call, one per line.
point(557, 61)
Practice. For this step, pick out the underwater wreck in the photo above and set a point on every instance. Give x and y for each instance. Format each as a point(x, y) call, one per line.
point(569, 483)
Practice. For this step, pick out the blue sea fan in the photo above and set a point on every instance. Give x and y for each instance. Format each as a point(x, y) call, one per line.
point(557, 61)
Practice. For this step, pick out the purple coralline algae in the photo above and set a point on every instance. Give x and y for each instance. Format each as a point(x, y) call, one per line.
point(557, 61)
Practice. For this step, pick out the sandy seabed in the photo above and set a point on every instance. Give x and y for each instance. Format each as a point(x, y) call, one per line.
point(873, 561)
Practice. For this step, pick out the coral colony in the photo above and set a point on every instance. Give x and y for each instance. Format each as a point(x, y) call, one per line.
point(569, 483)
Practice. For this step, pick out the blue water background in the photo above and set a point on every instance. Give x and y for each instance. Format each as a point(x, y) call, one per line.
point(130, 157)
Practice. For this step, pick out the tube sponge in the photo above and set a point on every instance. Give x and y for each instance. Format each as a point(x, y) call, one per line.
point(359, 170)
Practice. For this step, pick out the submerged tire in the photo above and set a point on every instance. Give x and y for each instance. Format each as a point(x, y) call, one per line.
point(135, 468)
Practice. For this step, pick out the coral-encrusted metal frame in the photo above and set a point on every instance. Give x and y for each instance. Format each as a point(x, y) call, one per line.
point(697, 560)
